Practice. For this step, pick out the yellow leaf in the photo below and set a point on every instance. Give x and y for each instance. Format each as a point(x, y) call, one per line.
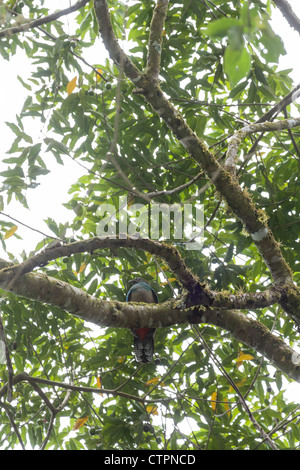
point(130, 202)
point(214, 401)
point(80, 422)
point(10, 232)
point(243, 357)
point(238, 384)
point(98, 76)
point(82, 268)
point(121, 359)
point(152, 409)
point(154, 381)
point(172, 279)
point(71, 85)
point(226, 406)
point(99, 385)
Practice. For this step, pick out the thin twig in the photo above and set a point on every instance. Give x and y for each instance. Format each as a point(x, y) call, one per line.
point(24, 377)
point(30, 228)
point(49, 430)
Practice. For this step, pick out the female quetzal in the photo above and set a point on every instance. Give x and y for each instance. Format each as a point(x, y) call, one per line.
point(141, 291)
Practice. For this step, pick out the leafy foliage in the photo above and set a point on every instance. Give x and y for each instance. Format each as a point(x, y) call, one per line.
point(219, 67)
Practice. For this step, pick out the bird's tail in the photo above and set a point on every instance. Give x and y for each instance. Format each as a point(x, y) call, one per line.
point(144, 345)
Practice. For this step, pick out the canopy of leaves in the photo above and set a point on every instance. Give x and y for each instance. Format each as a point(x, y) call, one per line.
point(219, 68)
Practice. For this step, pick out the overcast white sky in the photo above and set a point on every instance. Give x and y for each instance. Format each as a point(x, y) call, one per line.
point(46, 200)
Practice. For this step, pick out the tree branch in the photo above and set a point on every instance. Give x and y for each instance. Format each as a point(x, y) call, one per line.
point(111, 42)
point(155, 39)
point(12, 422)
point(48, 289)
point(118, 314)
point(198, 293)
point(169, 253)
point(136, 315)
point(43, 20)
point(175, 190)
point(24, 377)
point(49, 430)
point(283, 103)
point(235, 141)
point(288, 14)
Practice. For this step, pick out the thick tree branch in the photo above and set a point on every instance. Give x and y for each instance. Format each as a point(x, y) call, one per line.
point(155, 39)
point(193, 297)
point(45, 289)
point(43, 20)
point(128, 315)
point(111, 43)
point(198, 293)
point(169, 253)
point(115, 314)
point(288, 14)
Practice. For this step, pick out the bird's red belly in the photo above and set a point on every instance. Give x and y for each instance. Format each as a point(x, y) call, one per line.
point(142, 332)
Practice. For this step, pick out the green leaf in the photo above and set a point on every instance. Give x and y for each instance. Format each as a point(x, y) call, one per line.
point(58, 146)
point(220, 28)
point(13, 173)
point(237, 63)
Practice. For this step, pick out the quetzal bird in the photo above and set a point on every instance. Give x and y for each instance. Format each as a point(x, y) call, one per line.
point(141, 291)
